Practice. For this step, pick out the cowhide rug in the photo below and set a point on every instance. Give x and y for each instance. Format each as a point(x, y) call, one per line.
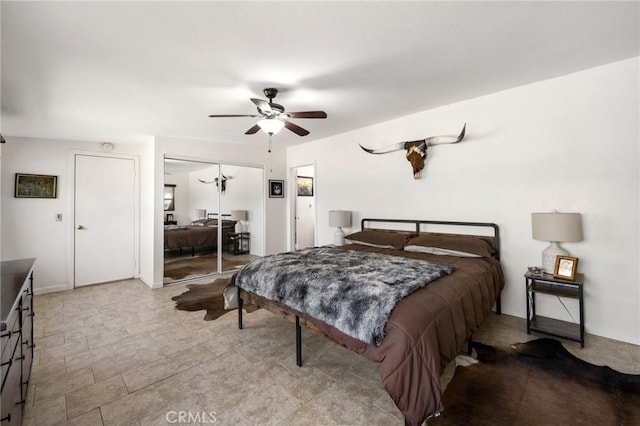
point(206, 297)
point(538, 383)
point(183, 267)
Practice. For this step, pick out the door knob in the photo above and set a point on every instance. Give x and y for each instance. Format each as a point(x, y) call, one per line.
point(80, 227)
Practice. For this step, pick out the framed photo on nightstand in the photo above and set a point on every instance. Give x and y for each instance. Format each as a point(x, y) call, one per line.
point(565, 268)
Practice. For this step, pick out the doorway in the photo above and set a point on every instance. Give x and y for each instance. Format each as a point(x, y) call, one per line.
point(304, 207)
point(213, 218)
point(105, 225)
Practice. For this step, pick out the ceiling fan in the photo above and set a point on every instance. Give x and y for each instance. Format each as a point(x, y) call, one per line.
point(273, 116)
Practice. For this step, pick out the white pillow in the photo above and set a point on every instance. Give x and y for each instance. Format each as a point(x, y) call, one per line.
point(440, 251)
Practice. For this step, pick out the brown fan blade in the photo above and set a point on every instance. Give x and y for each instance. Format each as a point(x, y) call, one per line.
point(252, 130)
point(231, 115)
point(296, 129)
point(308, 114)
point(262, 105)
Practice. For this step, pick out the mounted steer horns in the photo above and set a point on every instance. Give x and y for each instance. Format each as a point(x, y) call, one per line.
point(417, 150)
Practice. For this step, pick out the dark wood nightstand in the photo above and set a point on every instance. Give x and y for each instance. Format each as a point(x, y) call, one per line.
point(239, 243)
point(547, 284)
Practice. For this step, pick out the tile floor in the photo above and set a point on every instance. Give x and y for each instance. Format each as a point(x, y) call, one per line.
point(120, 354)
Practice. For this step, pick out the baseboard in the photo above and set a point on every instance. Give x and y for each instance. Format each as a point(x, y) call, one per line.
point(52, 289)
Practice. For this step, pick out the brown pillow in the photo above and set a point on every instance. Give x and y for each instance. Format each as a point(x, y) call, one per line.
point(381, 238)
point(467, 244)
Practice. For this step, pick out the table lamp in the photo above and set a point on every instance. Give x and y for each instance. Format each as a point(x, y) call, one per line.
point(339, 219)
point(200, 213)
point(239, 216)
point(556, 228)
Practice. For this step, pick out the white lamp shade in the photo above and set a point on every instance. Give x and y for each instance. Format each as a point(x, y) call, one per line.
point(200, 213)
point(557, 227)
point(339, 218)
point(271, 125)
point(238, 215)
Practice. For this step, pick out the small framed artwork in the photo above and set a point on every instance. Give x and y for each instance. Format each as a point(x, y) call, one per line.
point(36, 186)
point(565, 268)
point(276, 188)
point(305, 186)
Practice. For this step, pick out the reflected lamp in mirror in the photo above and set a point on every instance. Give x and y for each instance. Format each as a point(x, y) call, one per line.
point(339, 219)
point(200, 213)
point(556, 228)
point(239, 216)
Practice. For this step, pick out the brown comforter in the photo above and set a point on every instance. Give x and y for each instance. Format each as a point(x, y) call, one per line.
point(194, 236)
point(426, 330)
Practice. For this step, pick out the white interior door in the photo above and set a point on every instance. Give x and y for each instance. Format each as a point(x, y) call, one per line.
point(104, 233)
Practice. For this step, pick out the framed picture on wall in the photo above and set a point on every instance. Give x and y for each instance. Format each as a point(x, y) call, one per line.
point(276, 188)
point(36, 186)
point(305, 186)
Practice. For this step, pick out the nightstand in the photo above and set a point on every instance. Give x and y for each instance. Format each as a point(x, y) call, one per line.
point(548, 285)
point(239, 242)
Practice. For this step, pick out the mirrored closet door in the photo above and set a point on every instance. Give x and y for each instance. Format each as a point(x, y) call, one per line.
point(214, 218)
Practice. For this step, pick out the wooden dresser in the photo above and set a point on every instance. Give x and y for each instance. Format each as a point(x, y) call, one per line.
point(16, 336)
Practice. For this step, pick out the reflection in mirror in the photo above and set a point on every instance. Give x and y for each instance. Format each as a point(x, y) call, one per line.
point(204, 196)
point(169, 197)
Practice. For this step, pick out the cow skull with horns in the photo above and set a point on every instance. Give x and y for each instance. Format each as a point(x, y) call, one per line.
point(417, 150)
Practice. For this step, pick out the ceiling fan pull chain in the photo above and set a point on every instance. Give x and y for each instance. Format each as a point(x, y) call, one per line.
point(270, 156)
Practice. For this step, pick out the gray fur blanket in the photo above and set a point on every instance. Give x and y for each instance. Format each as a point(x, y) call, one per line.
point(352, 291)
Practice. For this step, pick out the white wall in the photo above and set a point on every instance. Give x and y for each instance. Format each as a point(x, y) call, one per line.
point(244, 191)
point(569, 143)
point(149, 222)
point(29, 226)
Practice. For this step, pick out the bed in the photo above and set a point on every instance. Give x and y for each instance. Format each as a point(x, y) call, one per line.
point(427, 328)
point(202, 233)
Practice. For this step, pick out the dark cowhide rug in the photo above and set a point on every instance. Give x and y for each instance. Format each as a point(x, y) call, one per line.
point(538, 383)
point(198, 265)
point(206, 297)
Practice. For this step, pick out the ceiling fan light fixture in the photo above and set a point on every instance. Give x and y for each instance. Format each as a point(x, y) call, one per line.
point(271, 125)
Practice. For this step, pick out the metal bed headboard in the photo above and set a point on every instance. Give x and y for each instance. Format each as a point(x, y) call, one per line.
point(418, 222)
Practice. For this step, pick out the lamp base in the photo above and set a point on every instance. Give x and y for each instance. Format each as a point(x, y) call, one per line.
point(338, 237)
point(549, 256)
point(239, 227)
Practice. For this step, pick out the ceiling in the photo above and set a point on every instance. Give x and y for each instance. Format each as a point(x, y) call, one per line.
point(127, 71)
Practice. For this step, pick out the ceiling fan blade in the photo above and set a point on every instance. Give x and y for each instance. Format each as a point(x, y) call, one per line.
point(263, 106)
point(232, 115)
point(252, 130)
point(308, 114)
point(296, 129)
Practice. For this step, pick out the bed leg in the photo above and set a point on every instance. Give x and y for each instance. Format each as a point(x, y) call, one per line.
point(298, 343)
point(499, 305)
point(239, 309)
